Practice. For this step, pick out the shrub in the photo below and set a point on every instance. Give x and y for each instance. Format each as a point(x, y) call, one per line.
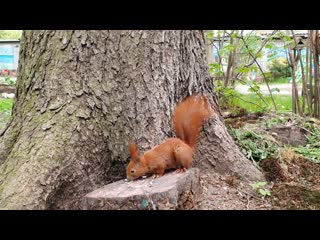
point(279, 68)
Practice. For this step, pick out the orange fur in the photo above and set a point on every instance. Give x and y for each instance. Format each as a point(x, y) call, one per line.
point(188, 119)
point(134, 153)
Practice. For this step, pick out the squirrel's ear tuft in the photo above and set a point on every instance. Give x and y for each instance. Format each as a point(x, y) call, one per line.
point(134, 153)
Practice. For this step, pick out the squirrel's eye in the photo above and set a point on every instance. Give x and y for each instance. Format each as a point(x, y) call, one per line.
point(132, 171)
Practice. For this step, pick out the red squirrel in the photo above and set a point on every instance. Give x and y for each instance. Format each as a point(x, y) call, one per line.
point(176, 153)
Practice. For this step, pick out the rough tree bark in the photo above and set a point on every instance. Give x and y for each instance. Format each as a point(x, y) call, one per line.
point(83, 95)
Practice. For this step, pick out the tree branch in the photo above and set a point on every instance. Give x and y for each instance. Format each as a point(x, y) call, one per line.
point(254, 90)
point(264, 76)
point(247, 101)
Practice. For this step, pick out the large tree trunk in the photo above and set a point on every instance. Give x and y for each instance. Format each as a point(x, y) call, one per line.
point(82, 96)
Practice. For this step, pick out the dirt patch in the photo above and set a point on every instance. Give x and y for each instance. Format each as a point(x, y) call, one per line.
point(293, 172)
point(228, 193)
point(294, 183)
point(273, 170)
point(299, 168)
point(294, 196)
point(290, 135)
point(240, 119)
point(301, 190)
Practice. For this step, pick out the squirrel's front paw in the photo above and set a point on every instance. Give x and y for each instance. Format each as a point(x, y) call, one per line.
point(156, 176)
point(179, 170)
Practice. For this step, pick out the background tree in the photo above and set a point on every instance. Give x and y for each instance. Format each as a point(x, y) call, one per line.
point(309, 66)
point(82, 96)
point(238, 61)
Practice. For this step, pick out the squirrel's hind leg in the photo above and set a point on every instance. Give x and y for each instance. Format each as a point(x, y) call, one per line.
point(184, 158)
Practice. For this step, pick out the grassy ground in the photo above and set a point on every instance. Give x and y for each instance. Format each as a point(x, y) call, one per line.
point(5, 111)
point(293, 172)
point(252, 102)
point(283, 80)
point(5, 105)
point(279, 81)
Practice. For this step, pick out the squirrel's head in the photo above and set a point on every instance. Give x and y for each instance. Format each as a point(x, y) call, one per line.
point(136, 167)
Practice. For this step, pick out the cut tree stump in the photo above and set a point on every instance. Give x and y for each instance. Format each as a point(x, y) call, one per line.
point(171, 191)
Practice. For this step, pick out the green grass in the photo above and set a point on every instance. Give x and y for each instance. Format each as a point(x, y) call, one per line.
point(312, 149)
point(279, 81)
point(5, 111)
point(252, 102)
point(254, 143)
point(5, 105)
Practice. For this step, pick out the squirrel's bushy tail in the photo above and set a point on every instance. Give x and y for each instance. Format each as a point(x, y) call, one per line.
point(188, 118)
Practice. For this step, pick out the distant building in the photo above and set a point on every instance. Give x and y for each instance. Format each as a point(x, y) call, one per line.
point(9, 54)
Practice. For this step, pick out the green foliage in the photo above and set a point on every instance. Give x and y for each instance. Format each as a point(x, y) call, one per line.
point(5, 111)
point(6, 105)
point(234, 35)
point(246, 69)
point(288, 40)
point(282, 80)
point(10, 34)
point(226, 50)
point(254, 87)
point(272, 46)
point(254, 145)
point(268, 123)
point(224, 93)
point(312, 149)
point(9, 81)
point(244, 47)
point(279, 68)
point(253, 103)
point(253, 42)
point(274, 81)
point(264, 192)
point(216, 69)
point(209, 35)
point(259, 187)
point(230, 99)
